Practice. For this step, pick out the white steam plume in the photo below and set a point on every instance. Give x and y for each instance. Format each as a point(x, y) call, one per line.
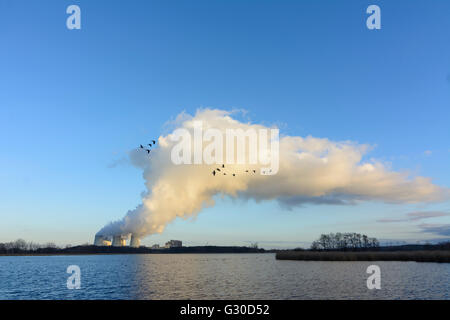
point(311, 170)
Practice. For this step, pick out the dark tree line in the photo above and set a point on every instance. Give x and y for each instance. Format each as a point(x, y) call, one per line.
point(22, 246)
point(344, 241)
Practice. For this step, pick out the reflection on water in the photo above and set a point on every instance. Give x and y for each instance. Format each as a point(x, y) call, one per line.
point(216, 276)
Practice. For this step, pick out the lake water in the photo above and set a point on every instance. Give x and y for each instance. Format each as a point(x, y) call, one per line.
point(216, 276)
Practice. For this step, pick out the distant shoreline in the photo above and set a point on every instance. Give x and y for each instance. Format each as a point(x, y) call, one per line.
point(416, 256)
point(100, 250)
point(110, 254)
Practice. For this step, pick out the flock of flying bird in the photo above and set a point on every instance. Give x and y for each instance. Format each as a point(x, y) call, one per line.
point(217, 170)
point(153, 142)
point(214, 172)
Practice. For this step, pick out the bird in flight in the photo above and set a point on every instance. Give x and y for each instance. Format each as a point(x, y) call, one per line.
point(142, 147)
point(153, 141)
point(214, 172)
point(217, 169)
point(148, 151)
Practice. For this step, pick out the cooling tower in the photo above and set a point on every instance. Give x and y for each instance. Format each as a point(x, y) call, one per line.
point(102, 241)
point(97, 240)
point(135, 241)
point(119, 241)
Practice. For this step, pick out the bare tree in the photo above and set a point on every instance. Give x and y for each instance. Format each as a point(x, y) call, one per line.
point(254, 245)
point(20, 244)
point(344, 241)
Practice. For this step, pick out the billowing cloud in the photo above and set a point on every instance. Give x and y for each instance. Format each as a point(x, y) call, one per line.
point(311, 170)
point(415, 216)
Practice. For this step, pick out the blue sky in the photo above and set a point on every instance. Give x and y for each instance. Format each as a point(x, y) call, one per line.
point(73, 102)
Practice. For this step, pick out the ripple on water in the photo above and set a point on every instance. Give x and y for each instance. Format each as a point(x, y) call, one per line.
point(216, 276)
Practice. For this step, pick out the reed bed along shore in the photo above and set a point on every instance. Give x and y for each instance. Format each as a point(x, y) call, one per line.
point(418, 256)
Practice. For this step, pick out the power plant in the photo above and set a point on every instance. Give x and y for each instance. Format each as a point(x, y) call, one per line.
point(120, 240)
point(117, 241)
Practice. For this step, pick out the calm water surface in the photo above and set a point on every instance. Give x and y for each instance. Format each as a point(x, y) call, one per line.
point(216, 276)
